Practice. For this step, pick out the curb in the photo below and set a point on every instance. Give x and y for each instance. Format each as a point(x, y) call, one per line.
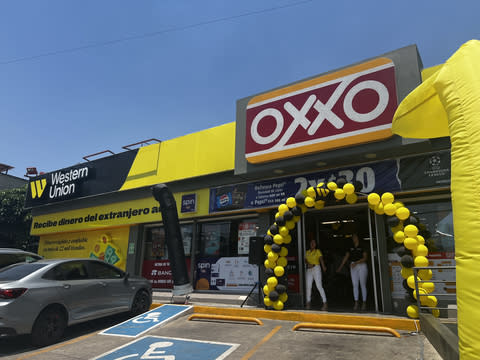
point(311, 317)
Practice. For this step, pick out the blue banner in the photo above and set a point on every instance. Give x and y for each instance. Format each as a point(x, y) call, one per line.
point(375, 177)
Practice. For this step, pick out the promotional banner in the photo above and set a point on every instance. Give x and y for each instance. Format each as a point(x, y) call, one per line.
point(425, 171)
point(246, 229)
point(380, 176)
point(159, 273)
point(225, 274)
point(107, 245)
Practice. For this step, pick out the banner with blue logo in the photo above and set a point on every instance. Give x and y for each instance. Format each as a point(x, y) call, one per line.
point(375, 177)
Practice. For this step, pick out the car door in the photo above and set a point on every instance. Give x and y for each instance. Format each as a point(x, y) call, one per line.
point(80, 294)
point(116, 293)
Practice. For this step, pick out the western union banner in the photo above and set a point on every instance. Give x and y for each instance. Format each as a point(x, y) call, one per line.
point(116, 214)
point(108, 245)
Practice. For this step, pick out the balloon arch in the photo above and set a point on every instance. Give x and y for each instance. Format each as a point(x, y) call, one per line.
point(404, 227)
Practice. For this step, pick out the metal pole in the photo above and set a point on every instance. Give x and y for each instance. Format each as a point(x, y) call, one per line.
point(373, 262)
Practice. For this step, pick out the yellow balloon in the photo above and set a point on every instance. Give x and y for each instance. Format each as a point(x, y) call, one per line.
point(399, 227)
point(283, 251)
point(283, 230)
point(399, 237)
point(304, 208)
point(266, 290)
point(410, 243)
point(411, 230)
point(320, 184)
point(272, 282)
point(425, 274)
point(423, 295)
point(309, 202)
point(282, 208)
point(267, 248)
point(268, 264)
point(412, 311)
point(278, 239)
point(332, 186)
point(373, 199)
point(296, 218)
point(269, 233)
point(290, 224)
point(411, 281)
point(422, 250)
point(348, 189)
point(372, 207)
point(428, 286)
point(390, 209)
point(320, 204)
point(406, 272)
point(283, 297)
point(287, 239)
point(379, 209)
point(351, 198)
point(272, 256)
point(420, 261)
point(279, 271)
point(436, 312)
point(398, 204)
point(267, 301)
point(421, 239)
point(402, 213)
point(339, 194)
point(311, 192)
point(387, 198)
point(282, 261)
point(291, 202)
point(432, 301)
point(278, 305)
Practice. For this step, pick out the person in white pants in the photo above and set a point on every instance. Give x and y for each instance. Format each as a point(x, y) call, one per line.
point(314, 259)
point(358, 270)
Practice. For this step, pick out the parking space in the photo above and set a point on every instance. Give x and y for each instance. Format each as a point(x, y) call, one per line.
point(181, 338)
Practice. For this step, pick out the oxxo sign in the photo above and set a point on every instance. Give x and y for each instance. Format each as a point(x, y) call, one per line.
point(350, 106)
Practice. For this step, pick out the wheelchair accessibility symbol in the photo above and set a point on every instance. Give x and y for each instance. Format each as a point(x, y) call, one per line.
point(164, 348)
point(146, 321)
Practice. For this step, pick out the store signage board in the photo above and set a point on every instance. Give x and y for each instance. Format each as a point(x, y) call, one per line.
point(189, 203)
point(351, 106)
point(262, 194)
point(146, 321)
point(168, 348)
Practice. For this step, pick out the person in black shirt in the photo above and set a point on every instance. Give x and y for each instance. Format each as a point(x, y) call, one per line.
point(358, 270)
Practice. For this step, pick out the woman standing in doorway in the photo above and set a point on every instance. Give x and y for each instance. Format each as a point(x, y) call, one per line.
point(314, 259)
point(358, 270)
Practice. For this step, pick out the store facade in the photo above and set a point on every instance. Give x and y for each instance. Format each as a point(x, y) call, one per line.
point(335, 125)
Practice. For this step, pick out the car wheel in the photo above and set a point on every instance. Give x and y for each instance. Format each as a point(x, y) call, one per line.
point(49, 327)
point(141, 303)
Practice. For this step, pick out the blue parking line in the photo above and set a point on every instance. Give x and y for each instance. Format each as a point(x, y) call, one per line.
point(146, 321)
point(156, 347)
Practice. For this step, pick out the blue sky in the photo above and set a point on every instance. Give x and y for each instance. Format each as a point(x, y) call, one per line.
point(187, 64)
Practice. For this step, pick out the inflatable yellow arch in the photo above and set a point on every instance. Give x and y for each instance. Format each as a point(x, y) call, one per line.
point(448, 104)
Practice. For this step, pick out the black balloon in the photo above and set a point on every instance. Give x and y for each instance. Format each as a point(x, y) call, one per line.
point(296, 211)
point(280, 288)
point(283, 280)
point(276, 248)
point(280, 221)
point(401, 250)
point(300, 198)
point(274, 229)
point(358, 185)
point(268, 240)
point(407, 261)
point(411, 220)
point(330, 199)
point(273, 295)
point(340, 182)
point(269, 273)
point(393, 221)
point(288, 215)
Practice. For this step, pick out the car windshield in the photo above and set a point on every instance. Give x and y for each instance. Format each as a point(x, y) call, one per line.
point(8, 259)
point(18, 271)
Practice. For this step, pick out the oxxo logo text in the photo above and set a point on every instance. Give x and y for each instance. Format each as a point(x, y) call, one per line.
point(351, 106)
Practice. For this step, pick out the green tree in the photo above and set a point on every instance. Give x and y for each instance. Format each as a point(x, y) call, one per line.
point(15, 220)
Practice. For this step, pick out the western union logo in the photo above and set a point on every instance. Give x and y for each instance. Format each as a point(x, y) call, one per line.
point(37, 187)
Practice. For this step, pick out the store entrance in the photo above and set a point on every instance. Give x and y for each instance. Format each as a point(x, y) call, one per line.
point(333, 229)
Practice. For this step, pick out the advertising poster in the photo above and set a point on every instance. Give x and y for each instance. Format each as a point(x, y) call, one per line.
point(109, 246)
point(425, 171)
point(245, 231)
point(225, 274)
point(159, 273)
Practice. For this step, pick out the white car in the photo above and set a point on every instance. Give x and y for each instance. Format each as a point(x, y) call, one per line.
point(42, 298)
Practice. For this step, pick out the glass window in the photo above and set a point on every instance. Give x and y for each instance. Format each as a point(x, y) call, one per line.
point(100, 270)
point(72, 270)
point(18, 271)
